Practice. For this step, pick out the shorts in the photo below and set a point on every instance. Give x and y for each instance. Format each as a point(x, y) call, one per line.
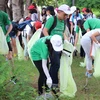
point(9, 46)
point(12, 34)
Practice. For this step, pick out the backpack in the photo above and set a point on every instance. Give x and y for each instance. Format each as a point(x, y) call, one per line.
point(52, 27)
point(22, 25)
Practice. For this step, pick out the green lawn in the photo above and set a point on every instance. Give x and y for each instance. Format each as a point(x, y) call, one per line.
point(27, 75)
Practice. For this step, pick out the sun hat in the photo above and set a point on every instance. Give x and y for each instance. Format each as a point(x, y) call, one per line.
point(31, 7)
point(37, 25)
point(56, 42)
point(66, 9)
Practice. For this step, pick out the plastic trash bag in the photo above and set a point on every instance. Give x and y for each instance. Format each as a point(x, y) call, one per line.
point(19, 50)
point(33, 39)
point(78, 42)
point(67, 83)
point(3, 43)
point(97, 64)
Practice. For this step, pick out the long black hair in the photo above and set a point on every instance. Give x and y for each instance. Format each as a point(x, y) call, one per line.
point(49, 45)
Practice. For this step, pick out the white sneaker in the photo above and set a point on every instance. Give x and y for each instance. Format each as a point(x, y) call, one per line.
point(49, 96)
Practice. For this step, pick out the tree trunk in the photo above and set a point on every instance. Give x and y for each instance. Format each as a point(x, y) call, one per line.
point(17, 9)
point(27, 3)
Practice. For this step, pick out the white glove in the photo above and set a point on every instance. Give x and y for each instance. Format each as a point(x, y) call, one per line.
point(71, 35)
point(74, 48)
point(49, 82)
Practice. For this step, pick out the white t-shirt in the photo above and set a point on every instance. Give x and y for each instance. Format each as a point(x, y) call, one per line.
point(28, 30)
point(34, 17)
point(88, 34)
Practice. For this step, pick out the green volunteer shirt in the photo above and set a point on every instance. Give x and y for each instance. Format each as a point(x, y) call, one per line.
point(4, 21)
point(39, 50)
point(59, 29)
point(78, 28)
point(92, 24)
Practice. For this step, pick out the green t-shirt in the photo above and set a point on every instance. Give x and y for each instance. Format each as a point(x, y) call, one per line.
point(92, 24)
point(59, 29)
point(39, 50)
point(78, 29)
point(4, 21)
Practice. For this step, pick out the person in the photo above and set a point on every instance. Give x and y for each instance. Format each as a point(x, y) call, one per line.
point(91, 24)
point(40, 52)
point(4, 21)
point(86, 42)
point(79, 28)
point(43, 15)
point(27, 34)
point(59, 29)
point(73, 20)
point(50, 12)
point(88, 14)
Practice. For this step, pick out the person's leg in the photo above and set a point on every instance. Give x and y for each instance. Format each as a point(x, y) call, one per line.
point(42, 77)
point(14, 48)
point(25, 47)
point(86, 44)
point(54, 68)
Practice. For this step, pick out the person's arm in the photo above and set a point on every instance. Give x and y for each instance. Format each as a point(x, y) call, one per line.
point(72, 26)
point(9, 29)
point(93, 37)
point(76, 39)
point(45, 69)
point(47, 26)
point(45, 32)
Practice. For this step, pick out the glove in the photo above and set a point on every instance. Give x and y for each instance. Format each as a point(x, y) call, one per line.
point(71, 35)
point(49, 82)
point(74, 48)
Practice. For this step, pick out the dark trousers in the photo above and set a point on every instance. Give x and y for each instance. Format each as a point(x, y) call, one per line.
point(82, 53)
point(55, 65)
point(42, 76)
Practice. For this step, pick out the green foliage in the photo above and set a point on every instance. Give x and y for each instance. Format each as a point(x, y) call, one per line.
point(26, 86)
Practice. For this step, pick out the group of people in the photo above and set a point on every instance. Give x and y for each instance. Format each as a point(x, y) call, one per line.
point(57, 25)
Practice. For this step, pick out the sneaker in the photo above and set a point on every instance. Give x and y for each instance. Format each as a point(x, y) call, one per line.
point(41, 97)
point(89, 75)
point(49, 96)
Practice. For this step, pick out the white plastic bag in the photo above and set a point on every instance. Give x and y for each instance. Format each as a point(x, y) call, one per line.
point(97, 63)
point(19, 50)
point(78, 42)
point(67, 83)
point(3, 43)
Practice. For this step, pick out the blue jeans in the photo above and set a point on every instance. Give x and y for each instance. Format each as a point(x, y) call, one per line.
point(55, 65)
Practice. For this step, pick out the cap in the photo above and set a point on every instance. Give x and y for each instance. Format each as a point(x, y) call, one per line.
point(31, 7)
point(84, 9)
point(66, 9)
point(37, 25)
point(56, 42)
point(73, 8)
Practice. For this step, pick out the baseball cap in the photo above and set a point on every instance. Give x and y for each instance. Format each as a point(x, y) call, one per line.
point(37, 25)
point(31, 7)
point(84, 9)
point(66, 9)
point(56, 42)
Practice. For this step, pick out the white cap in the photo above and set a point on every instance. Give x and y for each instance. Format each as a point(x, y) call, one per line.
point(73, 8)
point(56, 42)
point(66, 9)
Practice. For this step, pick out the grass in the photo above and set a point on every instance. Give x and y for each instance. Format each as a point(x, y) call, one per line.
point(27, 76)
